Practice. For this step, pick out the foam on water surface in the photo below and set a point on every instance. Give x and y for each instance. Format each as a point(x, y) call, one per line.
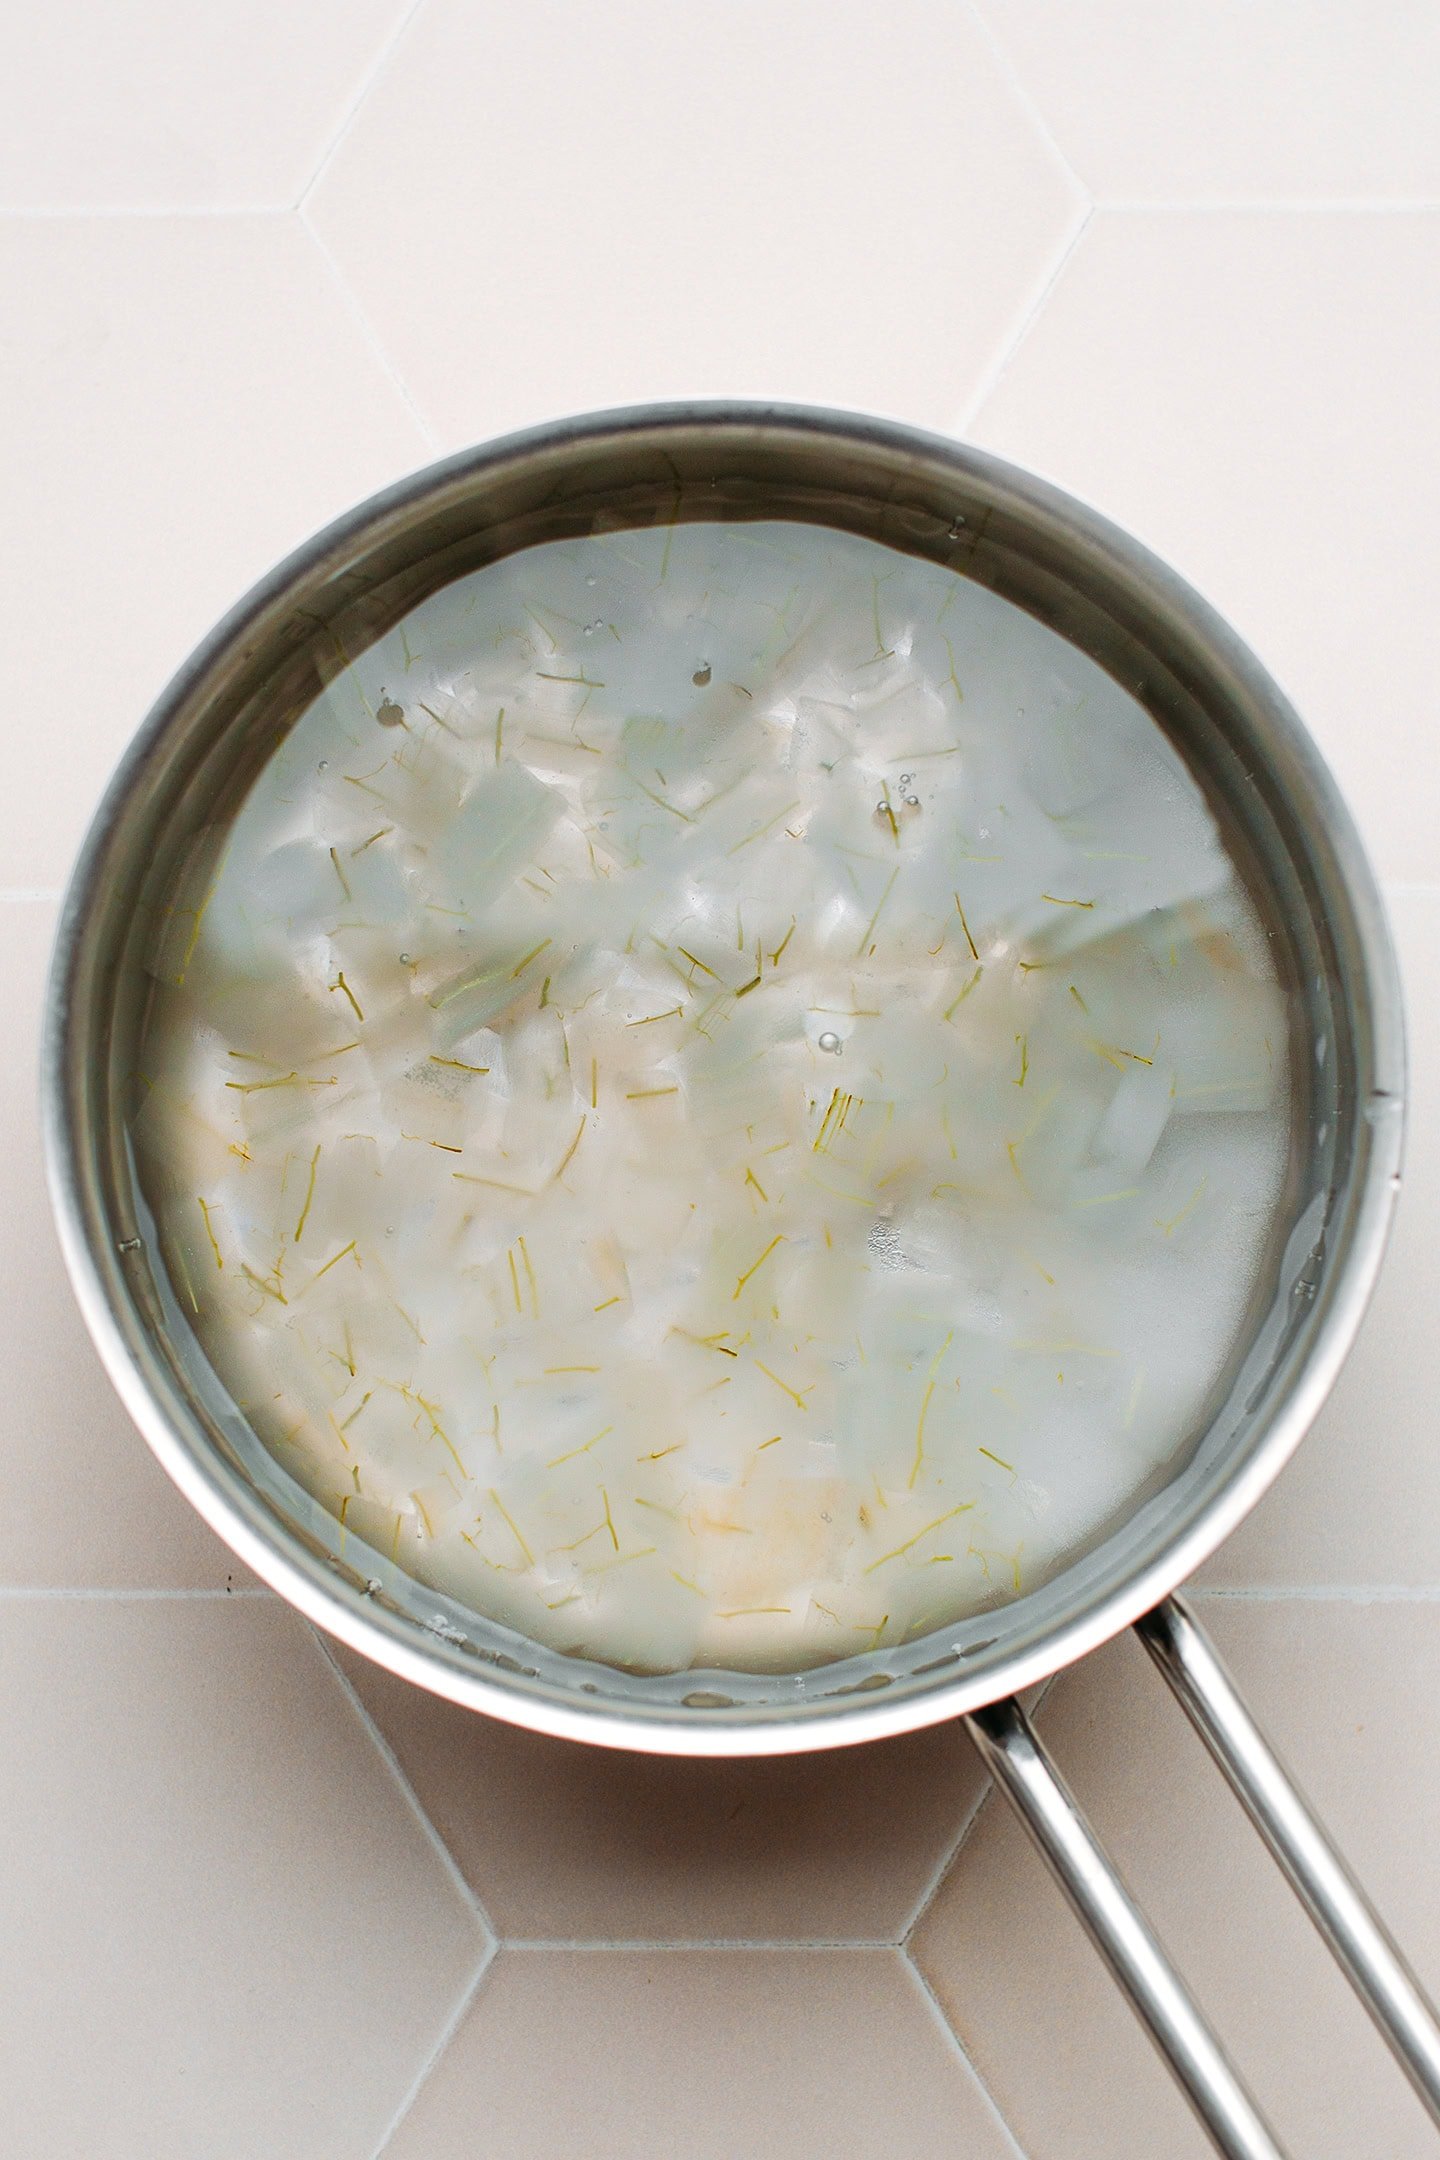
point(722, 1098)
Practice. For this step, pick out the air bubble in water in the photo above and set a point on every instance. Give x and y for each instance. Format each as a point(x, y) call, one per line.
point(830, 1040)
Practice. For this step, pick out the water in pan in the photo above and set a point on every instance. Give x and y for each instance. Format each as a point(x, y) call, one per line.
point(721, 1100)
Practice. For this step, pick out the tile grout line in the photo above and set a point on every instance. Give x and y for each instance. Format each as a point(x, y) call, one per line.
point(958, 2047)
point(443, 2038)
point(1316, 1593)
point(68, 213)
point(1083, 207)
point(932, 1890)
point(1024, 96)
point(663, 1945)
point(1121, 205)
point(38, 1593)
point(352, 112)
point(369, 333)
point(951, 1854)
point(1273, 205)
point(995, 374)
point(467, 1895)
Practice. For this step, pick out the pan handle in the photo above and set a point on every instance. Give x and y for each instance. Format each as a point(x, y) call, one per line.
point(1322, 1881)
point(1014, 1755)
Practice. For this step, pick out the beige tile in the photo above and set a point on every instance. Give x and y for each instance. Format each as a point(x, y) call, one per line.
point(1241, 100)
point(701, 2055)
point(170, 106)
point(586, 1844)
point(181, 401)
point(835, 200)
point(226, 1934)
point(86, 1504)
point(1350, 1694)
point(1252, 394)
point(1360, 1503)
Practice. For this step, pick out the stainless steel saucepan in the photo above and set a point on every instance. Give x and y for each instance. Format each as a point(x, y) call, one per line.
point(1285, 825)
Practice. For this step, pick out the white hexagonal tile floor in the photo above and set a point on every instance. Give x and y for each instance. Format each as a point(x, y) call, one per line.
point(167, 107)
point(846, 203)
point(227, 1932)
point(1249, 391)
point(181, 402)
point(256, 263)
point(708, 2053)
point(565, 1844)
